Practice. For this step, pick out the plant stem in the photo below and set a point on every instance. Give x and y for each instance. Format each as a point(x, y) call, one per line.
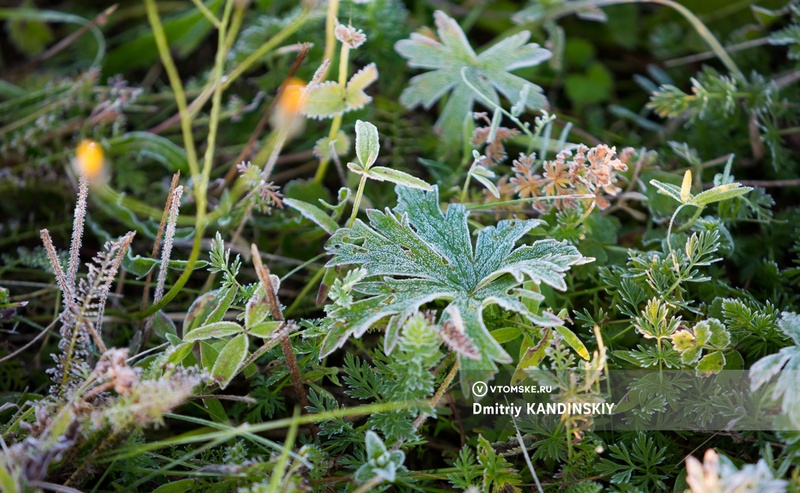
point(330, 26)
point(336, 123)
point(275, 307)
point(177, 85)
point(201, 187)
point(438, 395)
point(357, 201)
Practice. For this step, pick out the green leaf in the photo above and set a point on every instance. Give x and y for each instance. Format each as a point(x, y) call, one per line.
point(711, 363)
point(786, 365)
point(418, 254)
point(180, 486)
point(223, 303)
point(488, 72)
point(668, 189)
point(330, 98)
point(184, 31)
point(180, 353)
point(374, 445)
point(229, 360)
point(141, 266)
point(381, 173)
point(720, 193)
point(264, 330)
point(367, 144)
point(199, 310)
point(532, 356)
point(682, 340)
point(506, 334)
point(152, 146)
point(209, 353)
point(8, 483)
point(572, 341)
point(341, 146)
point(482, 175)
point(313, 214)
point(213, 330)
point(257, 308)
point(30, 36)
point(163, 325)
point(380, 462)
point(325, 100)
point(790, 325)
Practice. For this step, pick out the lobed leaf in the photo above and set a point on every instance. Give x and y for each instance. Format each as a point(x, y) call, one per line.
point(417, 254)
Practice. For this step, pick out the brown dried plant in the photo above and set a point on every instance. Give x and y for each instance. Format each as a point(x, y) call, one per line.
point(591, 172)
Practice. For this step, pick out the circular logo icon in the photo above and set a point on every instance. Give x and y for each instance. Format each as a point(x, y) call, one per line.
point(480, 389)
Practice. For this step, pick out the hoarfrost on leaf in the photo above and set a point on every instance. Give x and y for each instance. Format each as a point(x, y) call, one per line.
point(417, 254)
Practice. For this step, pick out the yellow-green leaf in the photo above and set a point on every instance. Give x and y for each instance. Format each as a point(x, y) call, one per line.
point(572, 341)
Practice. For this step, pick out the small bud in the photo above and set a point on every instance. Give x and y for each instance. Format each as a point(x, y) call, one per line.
point(686, 187)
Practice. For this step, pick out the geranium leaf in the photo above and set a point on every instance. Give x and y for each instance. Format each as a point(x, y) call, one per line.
point(417, 254)
point(487, 72)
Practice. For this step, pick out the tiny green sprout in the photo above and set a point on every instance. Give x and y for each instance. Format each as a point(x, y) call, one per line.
point(367, 149)
point(382, 464)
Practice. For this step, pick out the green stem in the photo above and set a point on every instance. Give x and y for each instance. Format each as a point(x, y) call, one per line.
point(207, 13)
point(336, 124)
point(214, 117)
point(466, 183)
point(176, 288)
point(177, 86)
point(313, 282)
point(357, 200)
point(490, 205)
point(330, 26)
point(368, 409)
point(691, 220)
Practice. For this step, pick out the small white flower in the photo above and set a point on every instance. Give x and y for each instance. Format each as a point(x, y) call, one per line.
point(350, 36)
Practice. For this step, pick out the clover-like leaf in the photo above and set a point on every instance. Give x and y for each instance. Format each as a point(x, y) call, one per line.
point(709, 335)
point(330, 98)
point(487, 72)
point(417, 254)
point(367, 149)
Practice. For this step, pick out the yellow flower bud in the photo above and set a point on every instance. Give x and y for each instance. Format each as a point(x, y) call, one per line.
point(292, 99)
point(89, 159)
